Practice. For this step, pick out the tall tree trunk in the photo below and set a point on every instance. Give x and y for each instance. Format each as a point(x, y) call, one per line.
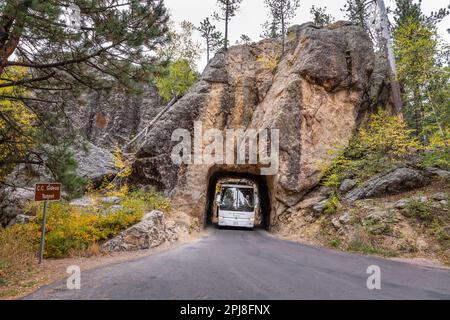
point(386, 33)
point(207, 48)
point(283, 31)
point(227, 12)
point(418, 114)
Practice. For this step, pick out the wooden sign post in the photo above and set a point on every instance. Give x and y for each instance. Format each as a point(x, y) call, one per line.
point(45, 192)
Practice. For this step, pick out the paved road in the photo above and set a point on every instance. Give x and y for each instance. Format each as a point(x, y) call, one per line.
point(234, 264)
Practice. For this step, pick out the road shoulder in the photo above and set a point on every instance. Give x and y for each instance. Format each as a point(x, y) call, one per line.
point(53, 270)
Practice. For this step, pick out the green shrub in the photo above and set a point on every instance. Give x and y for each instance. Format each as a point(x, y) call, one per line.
point(335, 243)
point(176, 80)
point(439, 158)
point(152, 200)
point(442, 235)
point(332, 205)
point(423, 211)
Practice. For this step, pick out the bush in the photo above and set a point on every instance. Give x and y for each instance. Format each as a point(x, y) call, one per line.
point(176, 81)
point(152, 200)
point(378, 147)
point(72, 230)
point(442, 235)
point(422, 211)
point(332, 205)
point(439, 157)
point(335, 243)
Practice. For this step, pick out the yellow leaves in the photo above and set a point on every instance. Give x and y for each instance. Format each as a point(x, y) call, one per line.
point(384, 141)
point(438, 141)
point(387, 135)
point(124, 168)
point(70, 228)
point(269, 62)
point(112, 192)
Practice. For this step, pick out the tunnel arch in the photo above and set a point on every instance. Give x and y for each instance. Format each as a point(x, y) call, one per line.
point(263, 184)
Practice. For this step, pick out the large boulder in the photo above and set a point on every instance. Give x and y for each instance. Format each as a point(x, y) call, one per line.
point(149, 233)
point(316, 93)
point(392, 182)
point(13, 202)
point(94, 163)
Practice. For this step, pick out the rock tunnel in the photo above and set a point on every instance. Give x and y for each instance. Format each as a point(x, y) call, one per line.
point(261, 183)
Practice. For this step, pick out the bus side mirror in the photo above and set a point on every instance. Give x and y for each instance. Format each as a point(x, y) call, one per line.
point(218, 199)
point(256, 201)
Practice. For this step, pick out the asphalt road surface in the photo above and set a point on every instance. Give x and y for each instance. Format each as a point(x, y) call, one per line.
point(235, 265)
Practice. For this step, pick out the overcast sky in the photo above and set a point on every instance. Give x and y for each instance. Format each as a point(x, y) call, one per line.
point(253, 14)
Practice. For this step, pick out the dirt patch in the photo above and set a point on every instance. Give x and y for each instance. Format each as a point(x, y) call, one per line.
point(52, 270)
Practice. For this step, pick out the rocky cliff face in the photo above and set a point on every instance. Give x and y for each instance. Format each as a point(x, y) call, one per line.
point(111, 118)
point(316, 93)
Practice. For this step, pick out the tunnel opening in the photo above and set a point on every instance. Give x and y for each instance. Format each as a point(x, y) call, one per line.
point(261, 184)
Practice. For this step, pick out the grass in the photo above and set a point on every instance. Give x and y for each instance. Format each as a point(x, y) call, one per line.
point(17, 253)
point(364, 242)
point(360, 247)
point(335, 243)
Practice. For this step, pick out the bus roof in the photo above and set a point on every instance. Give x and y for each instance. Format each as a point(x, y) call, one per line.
point(237, 186)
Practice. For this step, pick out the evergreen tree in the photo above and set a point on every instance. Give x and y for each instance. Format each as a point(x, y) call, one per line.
point(364, 14)
point(281, 13)
point(320, 17)
point(271, 30)
point(358, 12)
point(228, 9)
point(213, 38)
point(49, 49)
point(423, 69)
point(409, 9)
point(245, 39)
point(110, 37)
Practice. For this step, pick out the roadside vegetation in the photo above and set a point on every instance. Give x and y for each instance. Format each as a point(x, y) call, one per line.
point(377, 226)
point(71, 231)
point(418, 138)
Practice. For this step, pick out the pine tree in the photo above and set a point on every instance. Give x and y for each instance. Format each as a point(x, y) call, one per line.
point(358, 12)
point(228, 9)
point(64, 48)
point(245, 39)
point(421, 66)
point(106, 36)
point(281, 12)
point(213, 38)
point(320, 17)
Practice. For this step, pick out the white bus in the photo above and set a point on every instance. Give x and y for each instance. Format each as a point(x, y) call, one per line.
point(236, 206)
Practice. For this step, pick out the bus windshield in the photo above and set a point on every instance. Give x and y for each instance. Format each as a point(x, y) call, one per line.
point(237, 199)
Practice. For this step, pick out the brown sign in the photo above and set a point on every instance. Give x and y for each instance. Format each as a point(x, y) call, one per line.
point(47, 192)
